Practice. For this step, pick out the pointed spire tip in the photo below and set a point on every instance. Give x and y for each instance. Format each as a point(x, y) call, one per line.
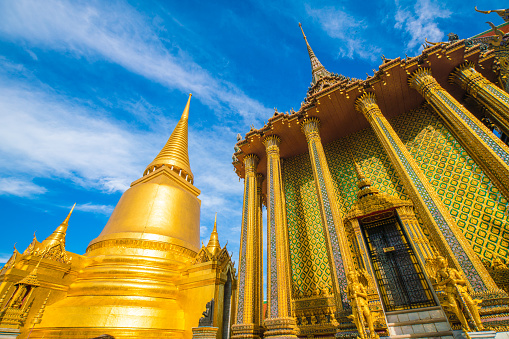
point(66, 221)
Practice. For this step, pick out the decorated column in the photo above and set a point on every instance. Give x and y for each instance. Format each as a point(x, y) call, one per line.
point(258, 312)
point(481, 144)
point(247, 324)
point(445, 231)
point(495, 99)
point(338, 251)
point(279, 322)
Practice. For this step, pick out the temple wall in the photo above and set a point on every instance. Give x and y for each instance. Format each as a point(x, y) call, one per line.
point(478, 207)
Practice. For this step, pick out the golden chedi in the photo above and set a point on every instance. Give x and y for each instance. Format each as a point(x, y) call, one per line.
point(145, 276)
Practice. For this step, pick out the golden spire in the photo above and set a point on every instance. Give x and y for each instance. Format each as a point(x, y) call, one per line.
point(317, 69)
point(58, 236)
point(213, 246)
point(175, 153)
point(363, 183)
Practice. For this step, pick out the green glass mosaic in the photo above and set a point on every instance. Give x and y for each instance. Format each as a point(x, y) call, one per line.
point(476, 204)
point(310, 265)
point(479, 209)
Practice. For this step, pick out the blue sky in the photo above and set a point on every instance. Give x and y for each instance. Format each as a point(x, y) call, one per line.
point(90, 92)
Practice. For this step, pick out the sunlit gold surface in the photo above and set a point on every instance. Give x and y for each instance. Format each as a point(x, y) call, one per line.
point(279, 323)
point(175, 153)
point(145, 275)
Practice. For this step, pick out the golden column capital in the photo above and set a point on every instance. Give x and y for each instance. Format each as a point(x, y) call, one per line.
point(367, 105)
point(272, 143)
point(250, 163)
point(487, 150)
point(468, 78)
point(271, 140)
point(495, 99)
point(423, 81)
point(311, 127)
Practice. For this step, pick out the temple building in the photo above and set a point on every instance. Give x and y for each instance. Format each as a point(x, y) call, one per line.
point(144, 276)
point(386, 199)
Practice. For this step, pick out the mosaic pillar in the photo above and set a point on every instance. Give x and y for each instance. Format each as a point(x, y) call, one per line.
point(338, 251)
point(362, 246)
point(279, 323)
point(258, 311)
point(414, 232)
point(481, 144)
point(246, 326)
point(495, 99)
point(446, 233)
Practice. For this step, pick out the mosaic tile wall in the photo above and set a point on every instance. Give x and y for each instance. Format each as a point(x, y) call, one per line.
point(310, 265)
point(479, 209)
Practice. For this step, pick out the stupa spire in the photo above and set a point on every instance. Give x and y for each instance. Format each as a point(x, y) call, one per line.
point(175, 153)
point(317, 69)
point(58, 236)
point(213, 246)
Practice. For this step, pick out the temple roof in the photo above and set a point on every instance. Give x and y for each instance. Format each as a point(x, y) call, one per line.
point(321, 78)
point(335, 105)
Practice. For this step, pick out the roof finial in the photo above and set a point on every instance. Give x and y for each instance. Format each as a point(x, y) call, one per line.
point(317, 69)
point(503, 13)
point(175, 153)
point(213, 246)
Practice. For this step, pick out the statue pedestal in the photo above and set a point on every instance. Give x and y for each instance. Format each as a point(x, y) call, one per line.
point(204, 332)
point(9, 333)
point(458, 334)
point(482, 335)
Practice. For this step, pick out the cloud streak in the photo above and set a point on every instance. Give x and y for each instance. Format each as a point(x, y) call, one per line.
point(20, 188)
point(347, 29)
point(46, 135)
point(420, 22)
point(94, 208)
point(119, 34)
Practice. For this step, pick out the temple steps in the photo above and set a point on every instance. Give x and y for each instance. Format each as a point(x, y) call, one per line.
point(429, 322)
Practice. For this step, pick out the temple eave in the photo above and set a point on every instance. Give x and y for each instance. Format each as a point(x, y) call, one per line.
point(386, 83)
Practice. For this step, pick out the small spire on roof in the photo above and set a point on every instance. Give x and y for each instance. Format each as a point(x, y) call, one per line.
point(213, 246)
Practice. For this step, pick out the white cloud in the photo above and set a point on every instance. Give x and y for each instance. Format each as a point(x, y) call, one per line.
point(46, 135)
point(90, 207)
point(347, 29)
point(19, 187)
point(121, 35)
point(420, 22)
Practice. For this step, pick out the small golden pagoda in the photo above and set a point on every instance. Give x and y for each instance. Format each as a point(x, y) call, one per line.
point(387, 201)
point(144, 276)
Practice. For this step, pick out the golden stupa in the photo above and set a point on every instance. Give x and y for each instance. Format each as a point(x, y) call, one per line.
point(144, 276)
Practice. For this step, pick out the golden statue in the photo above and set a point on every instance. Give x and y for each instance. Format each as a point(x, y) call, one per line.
point(358, 296)
point(458, 299)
